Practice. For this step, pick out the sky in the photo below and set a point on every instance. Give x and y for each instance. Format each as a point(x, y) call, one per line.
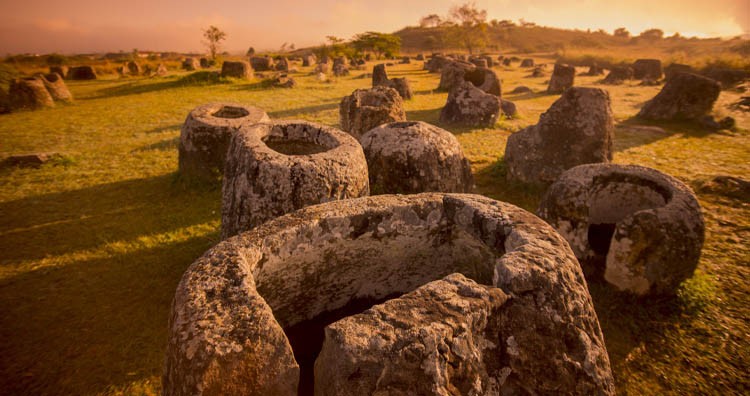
point(80, 26)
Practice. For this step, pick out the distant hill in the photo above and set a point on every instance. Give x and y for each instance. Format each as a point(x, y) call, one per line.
point(583, 46)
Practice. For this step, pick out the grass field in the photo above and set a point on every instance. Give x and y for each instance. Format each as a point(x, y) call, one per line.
point(92, 246)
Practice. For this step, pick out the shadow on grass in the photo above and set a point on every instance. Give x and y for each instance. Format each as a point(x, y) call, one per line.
point(165, 128)
point(303, 110)
point(36, 227)
point(164, 145)
point(635, 132)
point(492, 181)
point(136, 87)
point(91, 326)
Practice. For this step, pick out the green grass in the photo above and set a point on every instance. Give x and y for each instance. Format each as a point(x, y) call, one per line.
point(92, 246)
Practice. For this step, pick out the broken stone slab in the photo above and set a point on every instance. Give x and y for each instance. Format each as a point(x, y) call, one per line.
point(647, 69)
point(81, 73)
point(245, 315)
point(468, 105)
point(205, 136)
point(415, 157)
point(29, 93)
point(238, 69)
point(563, 77)
point(274, 168)
point(685, 96)
point(35, 160)
point(441, 339)
point(365, 109)
point(577, 129)
point(639, 229)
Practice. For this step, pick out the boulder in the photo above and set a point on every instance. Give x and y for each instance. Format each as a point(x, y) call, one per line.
point(261, 63)
point(29, 93)
point(468, 105)
point(134, 69)
point(61, 70)
point(506, 62)
point(282, 64)
point(562, 78)
point(190, 64)
point(639, 229)
point(161, 70)
point(479, 62)
point(453, 73)
point(538, 72)
point(521, 89)
point(484, 79)
point(340, 69)
point(647, 69)
point(322, 68)
point(274, 168)
point(436, 63)
point(577, 129)
point(206, 133)
point(594, 70)
point(419, 57)
point(308, 60)
point(675, 68)
point(685, 96)
point(250, 315)
point(283, 81)
point(238, 69)
point(528, 62)
point(618, 74)
point(35, 160)
point(365, 109)
point(415, 157)
point(204, 63)
point(56, 87)
point(81, 73)
point(508, 108)
point(401, 85)
point(405, 60)
point(489, 60)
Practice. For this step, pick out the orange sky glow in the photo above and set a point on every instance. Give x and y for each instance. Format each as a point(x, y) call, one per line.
point(78, 26)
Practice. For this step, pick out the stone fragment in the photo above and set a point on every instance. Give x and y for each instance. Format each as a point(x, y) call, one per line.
point(29, 93)
point(468, 105)
point(401, 85)
point(190, 64)
point(577, 129)
point(675, 68)
point(685, 96)
point(134, 69)
point(562, 78)
point(56, 87)
point(365, 109)
point(61, 70)
point(415, 157)
point(528, 62)
point(81, 73)
point(282, 64)
point(647, 69)
point(261, 63)
point(239, 69)
point(35, 160)
point(618, 74)
point(639, 229)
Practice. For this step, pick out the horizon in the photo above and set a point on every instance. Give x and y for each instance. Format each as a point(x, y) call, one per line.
point(85, 26)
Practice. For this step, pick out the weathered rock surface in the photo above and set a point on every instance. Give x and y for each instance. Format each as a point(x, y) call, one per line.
point(206, 133)
point(647, 69)
point(81, 73)
point(415, 157)
point(29, 93)
point(506, 62)
point(401, 85)
point(35, 160)
point(436, 63)
point(594, 70)
point(190, 64)
point(685, 96)
point(618, 74)
point(261, 63)
point(508, 108)
point(528, 62)
point(282, 64)
point(441, 339)
point(675, 68)
point(308, 60)
point(232, 306)
point(562, 78)
point(521, 89)
point(480, 62)
point(134, 68)
point(365, 109)
point(239, 69)
point(453, 74)
point(470, 106)
point(577, 129)
point(640, 229)
point(484, 79)
point(56, 87)
point(274, 168)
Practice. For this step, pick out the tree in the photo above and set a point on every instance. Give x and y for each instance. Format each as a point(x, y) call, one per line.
point(470, 31)
point(430, 21)
point(379, 43)
point(214, 36)
point(652, 34)
point(621, 32)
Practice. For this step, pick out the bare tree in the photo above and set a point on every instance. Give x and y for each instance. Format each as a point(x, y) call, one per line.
point(429, 21)
point(214, 36)
point(471, 26)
